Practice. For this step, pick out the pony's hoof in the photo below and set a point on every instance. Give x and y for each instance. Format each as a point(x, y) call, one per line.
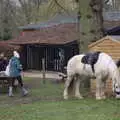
point(103, 97)
point(10, 95)
point(99, 98)
point(79, 97)
point(65, 97)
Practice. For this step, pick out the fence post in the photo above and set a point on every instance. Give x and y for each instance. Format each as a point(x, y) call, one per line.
point(43, 70)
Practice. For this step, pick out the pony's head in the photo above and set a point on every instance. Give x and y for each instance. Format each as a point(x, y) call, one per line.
point(117, 90)
point(116, 83)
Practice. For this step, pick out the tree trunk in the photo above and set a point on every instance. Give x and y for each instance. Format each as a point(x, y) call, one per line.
point(91, 22)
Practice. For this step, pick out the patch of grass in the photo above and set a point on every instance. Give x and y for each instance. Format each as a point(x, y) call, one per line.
point(66, 110)
point(45, 103)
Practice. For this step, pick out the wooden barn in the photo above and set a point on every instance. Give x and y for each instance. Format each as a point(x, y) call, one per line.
point(56, 44)
point(54, 40)
point(111, 46)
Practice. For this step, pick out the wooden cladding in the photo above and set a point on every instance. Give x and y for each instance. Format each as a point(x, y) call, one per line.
point(111, 47)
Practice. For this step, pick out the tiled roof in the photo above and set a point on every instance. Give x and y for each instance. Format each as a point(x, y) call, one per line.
point(111, 24)
point(113, 31)
point(56, 20)
point(113, 38)
point(72, 18)
point(4, 45)
point(57, 34)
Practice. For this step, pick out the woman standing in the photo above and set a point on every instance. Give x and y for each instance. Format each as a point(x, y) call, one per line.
point(15, 69)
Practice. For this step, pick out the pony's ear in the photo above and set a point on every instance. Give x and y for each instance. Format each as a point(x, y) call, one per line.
point(118, 63)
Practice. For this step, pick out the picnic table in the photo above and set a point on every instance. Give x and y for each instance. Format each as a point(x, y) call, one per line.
point(4, 80)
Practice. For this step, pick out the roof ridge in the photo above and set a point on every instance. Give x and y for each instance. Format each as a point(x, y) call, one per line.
point(102, 39)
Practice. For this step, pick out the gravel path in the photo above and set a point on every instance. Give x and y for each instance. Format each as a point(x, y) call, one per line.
point(38, 74)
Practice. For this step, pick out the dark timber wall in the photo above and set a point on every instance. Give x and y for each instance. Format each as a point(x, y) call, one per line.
point(56, 56)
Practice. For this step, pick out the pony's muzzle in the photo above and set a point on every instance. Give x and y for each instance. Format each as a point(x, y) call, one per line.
point(117, 94)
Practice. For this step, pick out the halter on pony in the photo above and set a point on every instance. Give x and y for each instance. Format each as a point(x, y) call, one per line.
point(96, 64)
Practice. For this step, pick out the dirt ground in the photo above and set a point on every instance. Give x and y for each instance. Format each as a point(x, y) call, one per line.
point(35, 87)
point(39, 74)
point(34, 83)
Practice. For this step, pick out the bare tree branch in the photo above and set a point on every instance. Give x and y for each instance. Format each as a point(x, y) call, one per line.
point(60, 6)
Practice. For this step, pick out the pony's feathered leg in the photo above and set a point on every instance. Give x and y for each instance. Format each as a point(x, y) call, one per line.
point(67, 83)
point(103, 84)
point(98, 87)
point(77, 91)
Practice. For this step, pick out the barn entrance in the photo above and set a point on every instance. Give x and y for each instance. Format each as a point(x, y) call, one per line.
point(55, 56)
